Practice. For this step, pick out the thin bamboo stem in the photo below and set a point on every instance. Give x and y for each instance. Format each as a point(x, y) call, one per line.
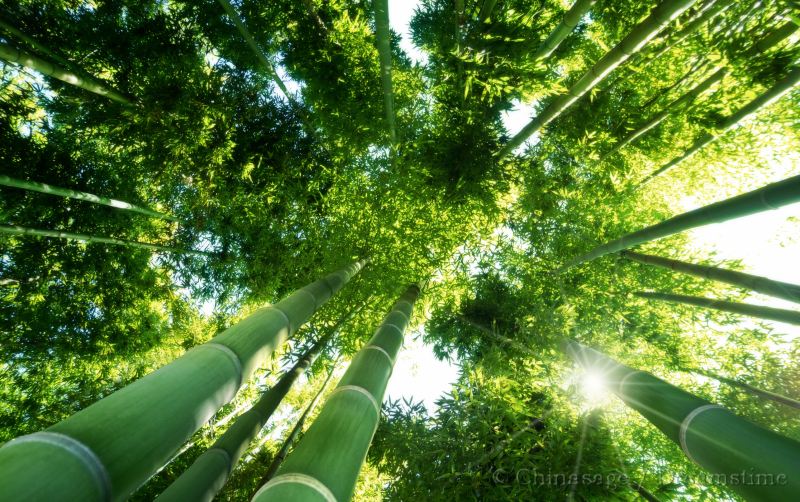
point(770, 313)
point(383, 38)
point(571, 19)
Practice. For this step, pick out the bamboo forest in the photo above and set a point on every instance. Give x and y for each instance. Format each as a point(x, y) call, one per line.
point(399, 250)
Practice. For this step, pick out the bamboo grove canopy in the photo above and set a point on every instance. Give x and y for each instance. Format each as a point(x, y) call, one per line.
point(596, 201)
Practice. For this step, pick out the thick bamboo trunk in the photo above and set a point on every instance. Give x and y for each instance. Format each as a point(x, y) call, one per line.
point(755, 391)
point(770, 313)
point(685, 99)
point(91, 239)
point(633, 42)
point(44, 67)
point(571, 19)
point(251, 42)
point(752, 461)
point(209, 473)
point(780, 88)
point(382, 39)
point(325, 463)
point(298, 427)
point(755, 283)
point(771, 196)
point(105, 451)
point(34, 186)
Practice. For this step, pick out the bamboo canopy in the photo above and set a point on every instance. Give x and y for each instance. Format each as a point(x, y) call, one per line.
point(772, 196)
point(34, 186)
point(755, 462)
point(209, 473)
point(91, 84)
point(105, 451)
point(642, 33)
point(325, 463)
point(571, 19)
point(383, 36)
point(755, 283)
point(92, 239)
point(773, 314)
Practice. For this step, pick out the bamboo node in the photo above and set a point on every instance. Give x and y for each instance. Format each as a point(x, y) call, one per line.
point(301, 479)
point(685, 427)
point(231, 355)
point(359, 390)
point(624, 380)
point(76, 449)
point(380, 349)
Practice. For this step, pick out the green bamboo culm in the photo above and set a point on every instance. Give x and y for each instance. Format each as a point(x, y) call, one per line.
point(772, 196)
point(104, 452)
point(770, 313)
point(571, 19)
point(31, 42)
point(783, 290)
point(91, 84)
point(34, 186)
point(383, 36)
point(92, 239)
point(209, 473)
point(325, 463)
point(774, 93)
point(755, 391)
point(642, 33)
point(298, 427)
point(757, 463)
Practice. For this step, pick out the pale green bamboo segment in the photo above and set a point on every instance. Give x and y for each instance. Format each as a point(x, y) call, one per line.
point(251, 42)
point(642, 33)
point(770, 313)
point(755, 283)
point(298, 427)
point(382, 39)
point(31, 42)
point(28, 60)
point(92, 239)
point(106, 451)
point(770, 96)
point(571, 19)
point(325, 463)
point(209, 473)
point(711, 436)
point(772, 196)
point(34, 186)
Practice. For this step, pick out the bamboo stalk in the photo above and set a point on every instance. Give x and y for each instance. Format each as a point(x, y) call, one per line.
point(643, 492)
point(764, 394)
point(105, 451)
point(210, 471)
point(298, 427)
point(724, 444)
point(571, 19)
point(325, 463)
point(773, 314)
point(32, 43)
point(771, 196)
point(92, 239)
point(774, 93)
point(383, 37)
point(91, 84)
point(34, 186)
point(755, 283)
point(633, 42)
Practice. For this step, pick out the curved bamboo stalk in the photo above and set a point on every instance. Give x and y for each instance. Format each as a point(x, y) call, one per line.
point(325, 463)
point(210, 471)
point(33, 43)
point(770, 313)
point(764, 394)
point(105, 451)
point(93, 239)
point(382, 39)
point(633, 42)
point(771, 196)
point(34, 186)
point(755, 283)
point(298, 427)
point(774, 93)
point(91, 84)
point(571, 19)
point(709, 435)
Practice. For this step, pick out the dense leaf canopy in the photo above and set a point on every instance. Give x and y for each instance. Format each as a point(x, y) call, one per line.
point(279, 189)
